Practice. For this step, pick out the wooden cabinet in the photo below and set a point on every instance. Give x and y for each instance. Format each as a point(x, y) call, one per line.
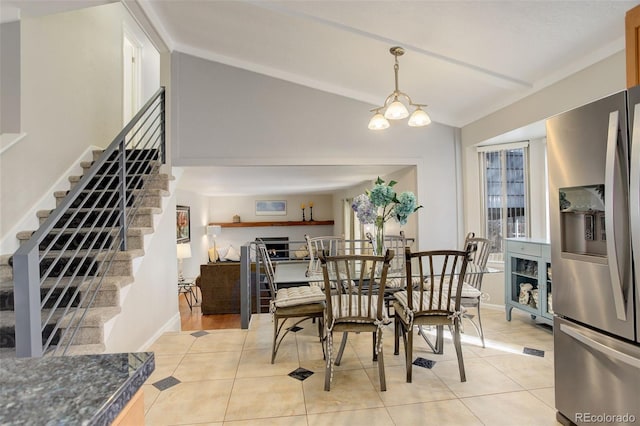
point(528, 277)
point(632, 40)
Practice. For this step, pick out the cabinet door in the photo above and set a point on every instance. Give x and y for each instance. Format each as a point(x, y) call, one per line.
point(632, 38)
point(525, 286)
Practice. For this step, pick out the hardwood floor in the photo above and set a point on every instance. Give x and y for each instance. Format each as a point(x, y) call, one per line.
point(193, 320)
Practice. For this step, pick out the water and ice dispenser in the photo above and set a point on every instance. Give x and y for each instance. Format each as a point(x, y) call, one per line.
point(582, 220)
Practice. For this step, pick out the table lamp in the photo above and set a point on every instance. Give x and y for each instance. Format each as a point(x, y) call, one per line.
point(213, 231)
point(183, 251)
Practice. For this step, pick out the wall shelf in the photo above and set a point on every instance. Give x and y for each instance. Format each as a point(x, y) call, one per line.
point(279, 223)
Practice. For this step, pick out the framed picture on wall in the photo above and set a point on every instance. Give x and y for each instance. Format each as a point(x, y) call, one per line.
point(183, 224)
point(271, 208)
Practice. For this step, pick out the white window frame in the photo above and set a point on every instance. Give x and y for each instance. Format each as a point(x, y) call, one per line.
point(482, 151)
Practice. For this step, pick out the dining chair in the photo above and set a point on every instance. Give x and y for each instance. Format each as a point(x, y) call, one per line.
point(430, 302)
point(331, 245)
point(479, 249)
point(354, 288)
point(298, 302)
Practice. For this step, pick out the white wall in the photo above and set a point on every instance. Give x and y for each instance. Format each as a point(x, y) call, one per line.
point(228, 116)
point(71, 98)
point(150, 304)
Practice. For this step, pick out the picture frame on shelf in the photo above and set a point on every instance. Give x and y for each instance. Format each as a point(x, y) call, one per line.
point(271, 207)
point(183, 224)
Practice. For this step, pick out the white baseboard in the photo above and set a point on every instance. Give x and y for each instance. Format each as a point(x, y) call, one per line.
point(172, 325)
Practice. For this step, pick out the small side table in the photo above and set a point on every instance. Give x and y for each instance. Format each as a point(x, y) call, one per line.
point(188, 288)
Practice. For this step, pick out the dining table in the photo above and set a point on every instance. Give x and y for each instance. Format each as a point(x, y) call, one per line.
point(291, 273)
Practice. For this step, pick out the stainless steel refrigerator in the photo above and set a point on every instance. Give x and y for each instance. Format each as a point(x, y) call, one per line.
point(594, 178)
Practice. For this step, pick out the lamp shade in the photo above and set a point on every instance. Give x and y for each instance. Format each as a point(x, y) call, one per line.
point(396, 111)
point(378, 122)
point(214, 230)
point(419, 118)
point(183, 251)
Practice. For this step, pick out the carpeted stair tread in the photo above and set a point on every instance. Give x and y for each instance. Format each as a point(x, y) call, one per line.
point(95, 316)
point(132, 232)
point(99, 255)
point(6, 285)
point(149, 192)
point(42, 214)
point(96, 348)
point(8, 318)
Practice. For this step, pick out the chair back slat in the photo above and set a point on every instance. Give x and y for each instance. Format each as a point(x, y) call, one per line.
point(332, 245)
point(268, 269)
point(479, 250)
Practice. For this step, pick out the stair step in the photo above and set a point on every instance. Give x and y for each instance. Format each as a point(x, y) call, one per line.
point(66, 295)
point(107, 295)
point(135, 238)
point(153, 181)
point(86, 165)
point(149, 154)
point(6, 271)
point(90, 332)
point(95, 348)
point(143, 216)
point(107, 197)
point(8, 330)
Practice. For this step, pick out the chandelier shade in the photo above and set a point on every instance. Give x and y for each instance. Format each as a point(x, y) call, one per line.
point(394, 108)
point(378, 122)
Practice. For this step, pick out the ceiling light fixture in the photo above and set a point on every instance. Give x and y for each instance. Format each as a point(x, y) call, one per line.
point(394, 108)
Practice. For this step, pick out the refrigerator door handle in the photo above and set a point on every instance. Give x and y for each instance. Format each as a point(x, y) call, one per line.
point(610, 189)
point(611, 353)
point(634, 191)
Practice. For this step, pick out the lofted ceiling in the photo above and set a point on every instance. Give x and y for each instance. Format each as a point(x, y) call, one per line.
point(465, 59)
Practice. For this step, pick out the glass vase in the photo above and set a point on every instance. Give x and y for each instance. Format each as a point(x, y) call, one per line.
point(378, 248)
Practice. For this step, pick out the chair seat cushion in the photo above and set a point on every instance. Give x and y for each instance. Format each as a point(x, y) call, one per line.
point(399, 282)
point(402, 298)
point(302, 295)
point(468, 291)
point(341, 310)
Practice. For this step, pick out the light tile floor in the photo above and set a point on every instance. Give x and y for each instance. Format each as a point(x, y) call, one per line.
point(226, 378)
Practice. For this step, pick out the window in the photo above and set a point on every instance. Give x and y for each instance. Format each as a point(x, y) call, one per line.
point(505, 198)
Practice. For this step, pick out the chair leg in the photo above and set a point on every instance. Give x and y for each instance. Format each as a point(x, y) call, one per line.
point(275, 338)
point(396, 335)
point(480, 325)
point(343, 344)
point(409, 352)
point(328, 364)
point(458, 345)
point(383, 379)
point(375, 340)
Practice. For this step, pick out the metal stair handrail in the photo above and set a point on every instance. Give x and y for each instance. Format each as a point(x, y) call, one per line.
point(49, 323)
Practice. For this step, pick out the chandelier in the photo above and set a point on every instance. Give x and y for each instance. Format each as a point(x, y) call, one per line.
point(394, 108)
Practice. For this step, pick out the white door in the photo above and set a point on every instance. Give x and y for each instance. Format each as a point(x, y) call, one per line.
point(131, 78)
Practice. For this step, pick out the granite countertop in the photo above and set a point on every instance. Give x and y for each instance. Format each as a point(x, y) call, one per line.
point(70, 390)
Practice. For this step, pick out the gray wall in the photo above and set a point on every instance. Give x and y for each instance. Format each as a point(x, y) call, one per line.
point(10, 77)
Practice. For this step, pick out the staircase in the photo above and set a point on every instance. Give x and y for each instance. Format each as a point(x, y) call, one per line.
point(64, 282)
